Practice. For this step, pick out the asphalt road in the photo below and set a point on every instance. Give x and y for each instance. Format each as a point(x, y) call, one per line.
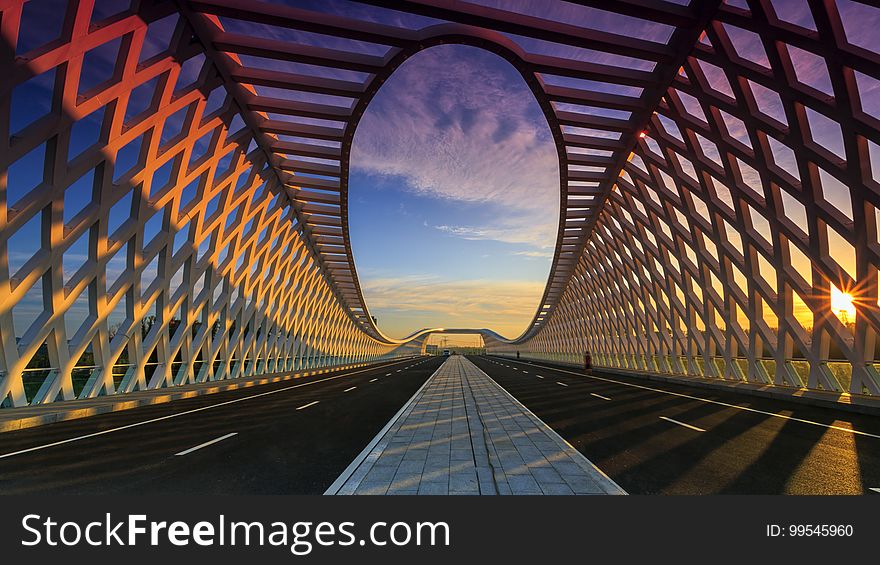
point(296, 437)
point(661, 438)
point(292, 437)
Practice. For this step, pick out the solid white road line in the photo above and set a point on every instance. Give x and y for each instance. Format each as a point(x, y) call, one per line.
point(349, 389)
point(184, 413)
point(695, 428)
point(206, 444)
point(304, 406)
point(720, 403)
point(561, 384)
point(373, 380)
point(599, 396)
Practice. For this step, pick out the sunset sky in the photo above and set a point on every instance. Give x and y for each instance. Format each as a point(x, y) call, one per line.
point(454, 198)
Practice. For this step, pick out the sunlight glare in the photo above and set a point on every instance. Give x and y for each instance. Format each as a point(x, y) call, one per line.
point(842, 305)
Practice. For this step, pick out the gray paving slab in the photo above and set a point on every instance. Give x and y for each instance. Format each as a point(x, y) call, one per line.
point(462, 433)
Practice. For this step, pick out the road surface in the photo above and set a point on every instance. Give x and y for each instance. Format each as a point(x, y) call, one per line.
point(663, 438)
point(292, 437)
point(296, 437)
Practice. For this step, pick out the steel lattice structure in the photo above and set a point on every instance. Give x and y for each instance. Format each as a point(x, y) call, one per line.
point(703, 217)
point(737, 210)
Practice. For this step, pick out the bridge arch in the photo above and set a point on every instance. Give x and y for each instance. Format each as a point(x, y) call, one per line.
point(492, 42)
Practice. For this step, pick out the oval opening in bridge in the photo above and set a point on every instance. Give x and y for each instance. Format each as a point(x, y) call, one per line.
point(453, 196)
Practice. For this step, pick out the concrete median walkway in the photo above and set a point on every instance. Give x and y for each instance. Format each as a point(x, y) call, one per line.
point(462, 433)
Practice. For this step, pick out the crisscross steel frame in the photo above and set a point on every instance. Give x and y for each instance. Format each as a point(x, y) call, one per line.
point(678, 248)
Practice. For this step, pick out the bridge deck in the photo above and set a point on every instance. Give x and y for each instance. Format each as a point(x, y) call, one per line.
point(462, 433)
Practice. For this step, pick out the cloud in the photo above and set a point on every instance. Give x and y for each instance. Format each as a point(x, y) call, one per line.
point(456, 123)
point(405, 304)
point(535, 254)
point(507, 230)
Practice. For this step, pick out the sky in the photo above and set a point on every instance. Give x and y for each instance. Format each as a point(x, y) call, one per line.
point(456, 340)
point(454, 196)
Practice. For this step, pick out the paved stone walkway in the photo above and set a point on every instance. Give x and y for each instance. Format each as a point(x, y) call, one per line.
point(464, 434)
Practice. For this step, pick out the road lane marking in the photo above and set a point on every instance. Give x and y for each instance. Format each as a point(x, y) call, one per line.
point(599, 396)
point(719, 403)
point(374, 380)
point(304, 406)
point(695, 428)
point(877, 490)
point(561, 384)
point(539, 376)
point(349, 389)
point(386, 374)
point(526, 372)
point(185, 412)
point(206, 444)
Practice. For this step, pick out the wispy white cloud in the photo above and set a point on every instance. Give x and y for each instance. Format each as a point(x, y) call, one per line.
point(508, 230)
point(455, 126)
point(535, 254)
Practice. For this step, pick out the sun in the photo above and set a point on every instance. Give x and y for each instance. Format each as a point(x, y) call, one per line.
point(842, 305)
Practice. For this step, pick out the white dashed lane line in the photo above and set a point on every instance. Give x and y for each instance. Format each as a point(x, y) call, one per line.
point(725, 404)
point(206, 444)
point(184, 413)
point(561, 384)
point(374, 380)
point(695, 428)
point(599, 396)
point(304, 406)
point(349, 389)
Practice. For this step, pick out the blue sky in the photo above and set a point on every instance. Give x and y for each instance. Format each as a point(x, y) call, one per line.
point(454, 198)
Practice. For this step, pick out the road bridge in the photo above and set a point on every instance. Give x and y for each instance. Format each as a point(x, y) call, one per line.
point(174, 221)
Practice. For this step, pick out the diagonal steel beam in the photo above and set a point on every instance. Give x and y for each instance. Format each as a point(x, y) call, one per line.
point(530, 26)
